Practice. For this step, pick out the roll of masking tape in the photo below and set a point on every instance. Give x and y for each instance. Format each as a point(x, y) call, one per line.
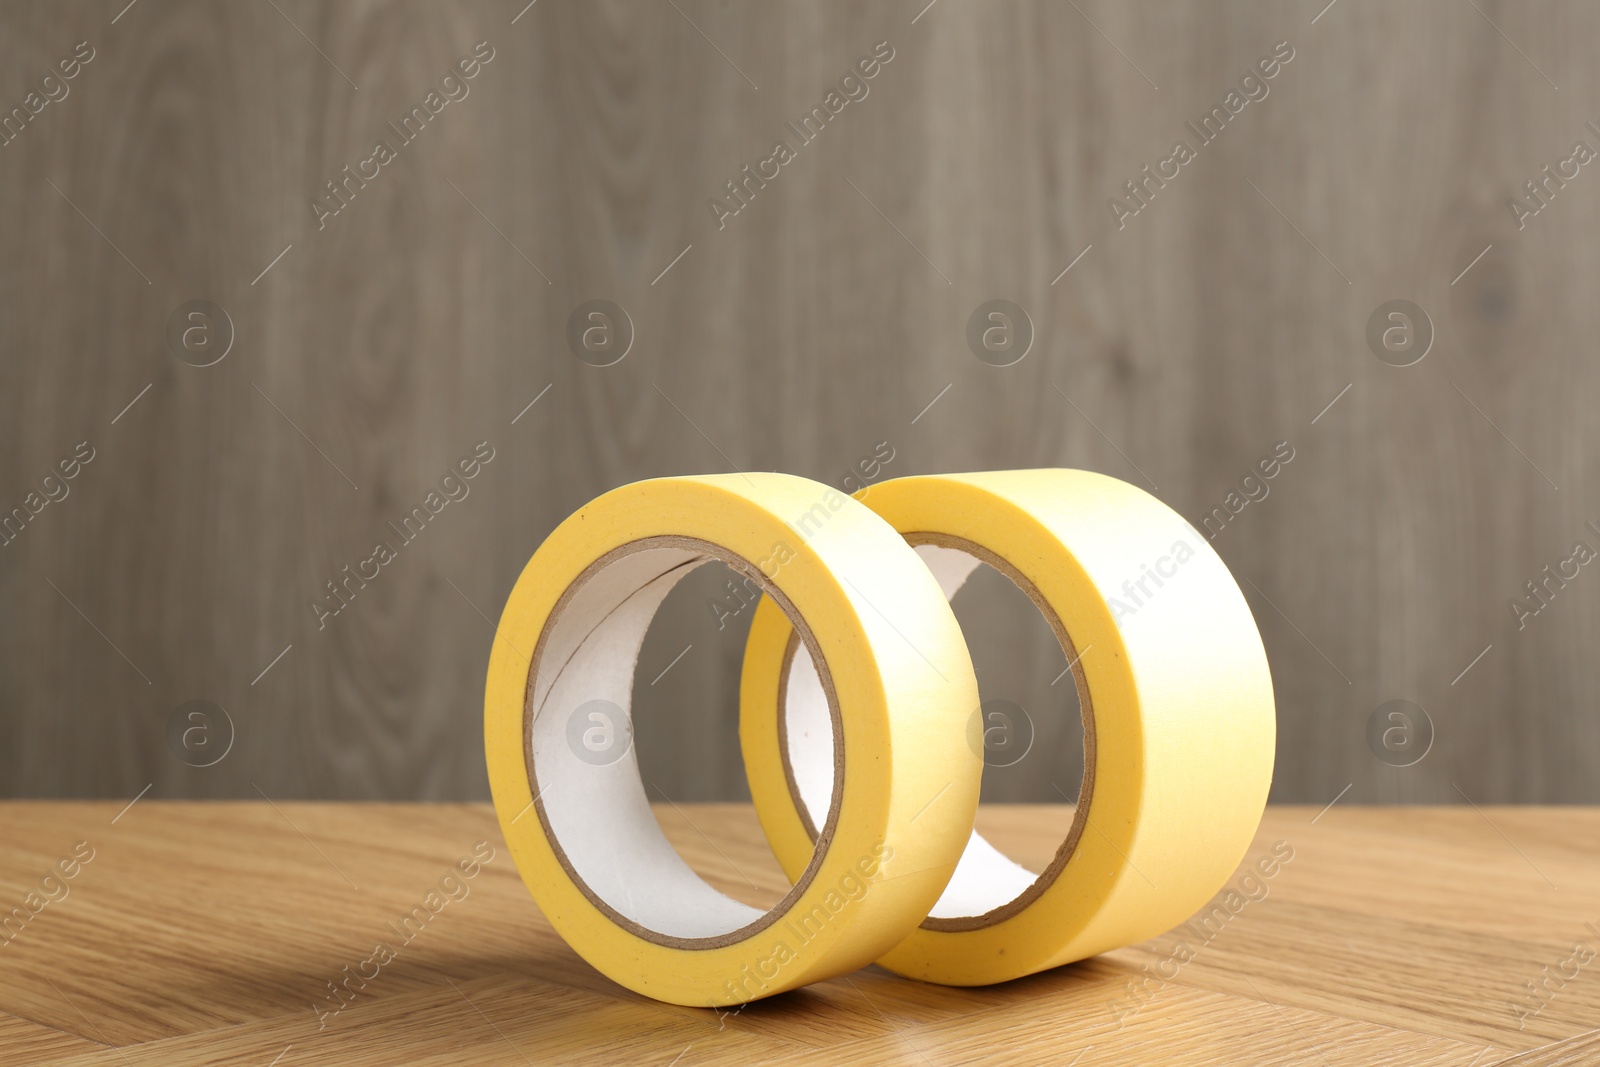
point(1178, 719)
point(896, 687)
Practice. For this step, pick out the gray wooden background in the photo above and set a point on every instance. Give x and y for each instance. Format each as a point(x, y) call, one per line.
point(373, 349)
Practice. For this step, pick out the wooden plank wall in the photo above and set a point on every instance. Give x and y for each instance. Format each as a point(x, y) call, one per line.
point(387, 340)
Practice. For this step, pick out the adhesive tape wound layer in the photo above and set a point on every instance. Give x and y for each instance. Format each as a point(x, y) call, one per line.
point(1179, 725)
point(896, 684)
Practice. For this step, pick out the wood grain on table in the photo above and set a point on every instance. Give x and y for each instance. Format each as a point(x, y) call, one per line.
point(207, 933)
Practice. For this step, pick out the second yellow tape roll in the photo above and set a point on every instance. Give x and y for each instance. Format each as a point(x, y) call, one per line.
point(1179, 724)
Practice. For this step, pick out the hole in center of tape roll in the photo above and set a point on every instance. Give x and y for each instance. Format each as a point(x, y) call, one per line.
point(622, 667)
point(1029, 727)
point(686, 732)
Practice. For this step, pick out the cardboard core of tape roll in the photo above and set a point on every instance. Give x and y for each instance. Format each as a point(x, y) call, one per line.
point(594, 810)
point(988, 887)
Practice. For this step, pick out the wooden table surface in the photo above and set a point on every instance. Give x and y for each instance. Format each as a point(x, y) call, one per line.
point(207, 933)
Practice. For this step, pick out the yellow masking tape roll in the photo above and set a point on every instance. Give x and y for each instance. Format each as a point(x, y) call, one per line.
point(897, 688)
point(1179, 725)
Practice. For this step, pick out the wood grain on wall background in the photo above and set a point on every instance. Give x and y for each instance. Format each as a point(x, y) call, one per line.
point(389, 340)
